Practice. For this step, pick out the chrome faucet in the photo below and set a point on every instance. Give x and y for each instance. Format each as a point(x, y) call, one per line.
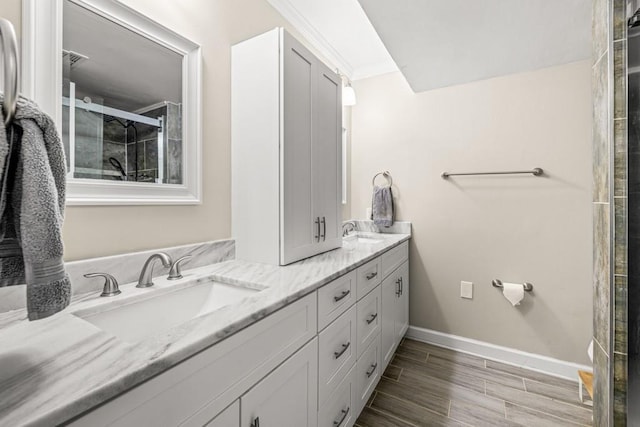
point(146, 275)
point(348, 227)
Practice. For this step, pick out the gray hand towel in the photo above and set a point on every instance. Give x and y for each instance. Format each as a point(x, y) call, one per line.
point(32, 198)
point(382, 212)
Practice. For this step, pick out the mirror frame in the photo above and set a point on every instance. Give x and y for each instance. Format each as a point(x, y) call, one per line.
point(42, 52)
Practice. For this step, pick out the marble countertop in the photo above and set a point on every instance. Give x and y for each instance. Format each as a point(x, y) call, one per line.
point(57, 368)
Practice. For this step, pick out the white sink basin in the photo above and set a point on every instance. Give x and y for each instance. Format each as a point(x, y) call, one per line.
point(139, 320)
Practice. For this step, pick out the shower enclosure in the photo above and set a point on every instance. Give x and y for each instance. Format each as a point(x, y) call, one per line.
point(103, 142)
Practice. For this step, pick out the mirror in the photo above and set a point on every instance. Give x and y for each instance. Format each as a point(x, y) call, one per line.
point(125, 94)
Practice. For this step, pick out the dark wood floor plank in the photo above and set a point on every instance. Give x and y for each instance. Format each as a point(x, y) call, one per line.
point(533, 375)
point(539, 403)
point(410, 412)
point(445, 353)
point(411, 367)
point(417, 395)
point(530, 417)
point(372, 418)
point(564, 394)
point(477, 415)
point(480, 373)
point(392, 372)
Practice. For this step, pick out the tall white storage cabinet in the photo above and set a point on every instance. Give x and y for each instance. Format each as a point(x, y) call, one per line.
point(286, 131)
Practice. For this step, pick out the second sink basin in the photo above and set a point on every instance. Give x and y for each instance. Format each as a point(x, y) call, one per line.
point(139, 320)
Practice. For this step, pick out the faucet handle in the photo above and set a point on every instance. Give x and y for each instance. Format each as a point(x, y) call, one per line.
point(175, 273)
point(110, 288)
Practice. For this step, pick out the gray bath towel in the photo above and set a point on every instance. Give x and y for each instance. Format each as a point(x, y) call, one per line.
point(32, 199)
point(382, 206)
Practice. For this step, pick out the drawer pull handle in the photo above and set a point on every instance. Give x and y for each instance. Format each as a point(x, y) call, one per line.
point(371, 275)
point(255, 422)
point(324, 229)
point(342, 296)
point(372, 318)
point(337, 354)
point(345, 412)
point(373, 369)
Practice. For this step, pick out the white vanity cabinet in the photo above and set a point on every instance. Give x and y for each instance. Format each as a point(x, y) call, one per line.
point(286, 151)
point(314, 362)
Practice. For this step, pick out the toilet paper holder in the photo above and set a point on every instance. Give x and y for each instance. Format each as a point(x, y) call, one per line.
point(497, 283)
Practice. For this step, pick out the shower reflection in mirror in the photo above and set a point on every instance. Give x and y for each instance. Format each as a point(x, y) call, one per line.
point(121, 102)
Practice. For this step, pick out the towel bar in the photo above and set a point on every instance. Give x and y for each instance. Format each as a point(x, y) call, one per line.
point(534, 171)
point(497, 283)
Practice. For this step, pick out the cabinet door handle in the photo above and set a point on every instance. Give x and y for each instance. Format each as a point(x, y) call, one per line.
point(343, 416)
point(372, 318)
point(317, 223)
point(255, 422)
point(324, 229)
point(398, 288)
point(371, 275)
point(337, 354)
point(342, 296)
point(372, 370)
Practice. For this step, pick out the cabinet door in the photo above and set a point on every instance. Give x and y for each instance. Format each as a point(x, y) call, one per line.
point(327, 156)
point(402, 303)
point(288, 397)
point(298, 224)
point(230, 417)
point(389, 289)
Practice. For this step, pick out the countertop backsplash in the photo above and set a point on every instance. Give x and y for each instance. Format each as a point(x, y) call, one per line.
point(125, 268)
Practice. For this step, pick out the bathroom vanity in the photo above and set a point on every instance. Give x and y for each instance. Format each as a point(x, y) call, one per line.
point(306, 347)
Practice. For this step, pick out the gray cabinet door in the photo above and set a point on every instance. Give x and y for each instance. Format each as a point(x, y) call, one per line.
point(327, 155)
point(300, 231)
point(287, 397)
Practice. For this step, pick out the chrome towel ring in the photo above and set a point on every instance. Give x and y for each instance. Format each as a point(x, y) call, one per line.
point(386, 175)
point(9, 50)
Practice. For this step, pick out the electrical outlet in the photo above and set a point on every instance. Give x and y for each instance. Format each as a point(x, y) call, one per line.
point(466, 290)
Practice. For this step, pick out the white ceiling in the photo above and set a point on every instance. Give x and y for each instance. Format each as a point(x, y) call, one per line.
point(439, 43)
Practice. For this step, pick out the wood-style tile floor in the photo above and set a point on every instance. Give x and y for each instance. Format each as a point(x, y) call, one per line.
point(425, 385)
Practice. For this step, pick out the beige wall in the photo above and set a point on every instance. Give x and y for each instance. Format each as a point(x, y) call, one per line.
point(215, 25)
point(479, 228)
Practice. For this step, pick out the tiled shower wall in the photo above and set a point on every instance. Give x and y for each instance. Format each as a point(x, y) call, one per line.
point(610, 211)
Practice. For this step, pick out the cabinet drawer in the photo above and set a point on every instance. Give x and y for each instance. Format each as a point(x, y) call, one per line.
point(335, 298)
point(369, 317)
point(194, 391)
point(341, 410)
point(337, 353)
point(369, 276)
point(393, 258)
point(368, 371)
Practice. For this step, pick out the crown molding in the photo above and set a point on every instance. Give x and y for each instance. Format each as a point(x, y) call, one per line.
point(313, 36)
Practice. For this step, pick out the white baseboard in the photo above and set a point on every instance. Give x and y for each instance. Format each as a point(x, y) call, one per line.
point(511, 356)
